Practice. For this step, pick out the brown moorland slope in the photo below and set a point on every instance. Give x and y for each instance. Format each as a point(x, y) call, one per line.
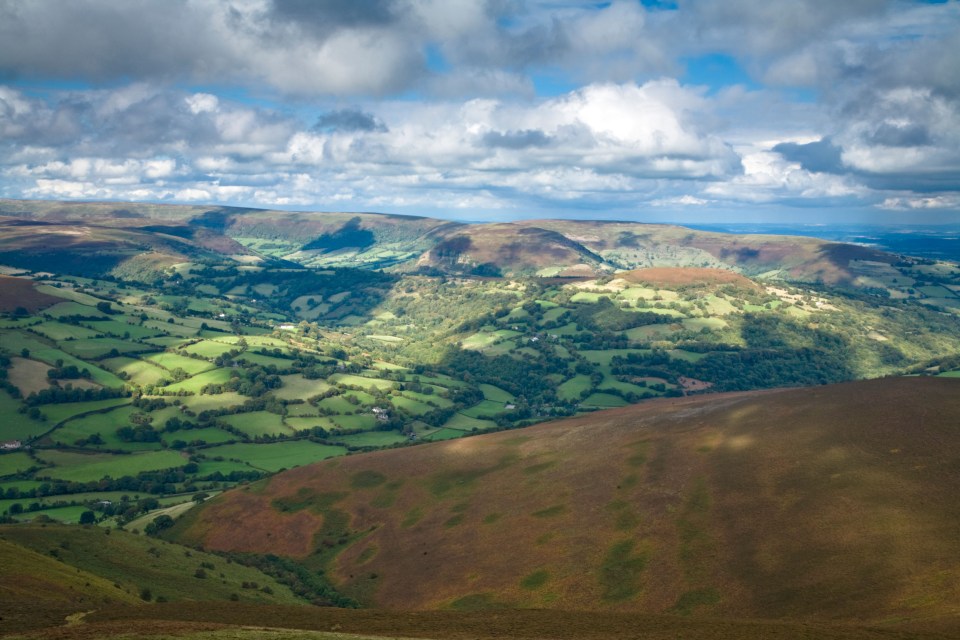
point(795, 258)
point(686, 276)
point(196, 620)
point(22, 292)
point(833, 504)
point(509, 248)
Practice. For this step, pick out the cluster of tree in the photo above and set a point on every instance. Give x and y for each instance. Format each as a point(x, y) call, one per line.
point(253, 381)
point(521, 378)
point(67, 372)
point(310, 585)
point(57, 395)
point(605, 316)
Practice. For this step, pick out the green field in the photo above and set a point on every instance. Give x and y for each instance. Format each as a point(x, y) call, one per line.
point(57, 413)
point(414, 407)
point(140, 372)
point(213, 401)
point(363, 422)
point(574, 387)
point(496, 394)
point(486, 407)
point(14, 425)
point(59, 331)
point(197, 382)
point(603, 401)
point(257, 423)
point(104, 424)
point(361, 381)
point(172, 361)
point(373, 439)
point(14, 463)
point(64, 309)
point(81, 467)
point(98, 375)
point(122, 329)
point(263, 361)
point(280, 455)
point(300, 423)
point(463, 422)
point(209, 349)
point(298, 387)
point(443, 434)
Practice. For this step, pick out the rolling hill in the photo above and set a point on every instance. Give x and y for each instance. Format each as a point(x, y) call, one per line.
point(833, 504)
point(132, 238)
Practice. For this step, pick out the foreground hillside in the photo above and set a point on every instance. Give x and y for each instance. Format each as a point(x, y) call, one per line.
point(49, 571)
point(833, 503)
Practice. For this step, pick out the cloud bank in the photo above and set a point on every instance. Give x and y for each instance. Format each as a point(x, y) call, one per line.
point(491, 108)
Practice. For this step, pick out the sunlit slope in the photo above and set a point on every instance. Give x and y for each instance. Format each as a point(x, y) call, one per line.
point(832, 503)
point(37, 589)
point(629, 245)
point(48, 571)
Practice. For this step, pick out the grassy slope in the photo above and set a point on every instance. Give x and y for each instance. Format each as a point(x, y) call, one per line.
point(831, 503)
point(117, 567)
point(37, 590)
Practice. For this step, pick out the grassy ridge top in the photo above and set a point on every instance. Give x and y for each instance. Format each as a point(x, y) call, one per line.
point(833, 503)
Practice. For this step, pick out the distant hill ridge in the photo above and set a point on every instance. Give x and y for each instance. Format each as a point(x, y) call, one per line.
point(137, 237)
point(833, 503)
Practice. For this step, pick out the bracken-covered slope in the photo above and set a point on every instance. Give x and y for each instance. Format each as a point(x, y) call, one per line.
point(834, 503)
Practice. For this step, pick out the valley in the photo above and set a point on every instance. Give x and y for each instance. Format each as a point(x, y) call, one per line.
point(363, 410)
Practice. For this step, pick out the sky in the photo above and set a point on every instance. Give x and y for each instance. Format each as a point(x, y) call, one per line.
point(694, 110)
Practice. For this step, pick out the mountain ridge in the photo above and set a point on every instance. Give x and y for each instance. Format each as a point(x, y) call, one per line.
point(412, 243)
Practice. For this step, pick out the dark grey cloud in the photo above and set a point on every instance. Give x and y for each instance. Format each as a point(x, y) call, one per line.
point(97, 40)
point(821, 156)
point(762, 28)
point(897, 135)
point(328, 15)
point(516, 139)
point(349, 120)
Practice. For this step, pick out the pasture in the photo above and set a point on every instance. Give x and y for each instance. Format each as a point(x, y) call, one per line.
point(258, 423)
point(57, 413)
point(297, 387)
point(140, 372)
point(484, 408)
point(372, 439)
point(276, 456)
point(171, 361)
point(495, 394)
point(196, 384)
point(89, 467)
point(28, 375)
point(120, 329)
point(94, 348)
point(209, 349)
point(463, 422)
point(58, 331)
point(15, 462)
point(572, 389)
